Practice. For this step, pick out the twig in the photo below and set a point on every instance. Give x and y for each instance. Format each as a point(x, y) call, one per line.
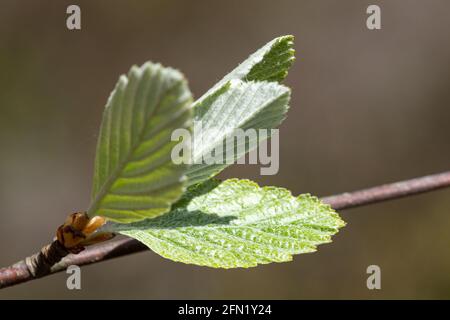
point(389, 191)
point(20, 272)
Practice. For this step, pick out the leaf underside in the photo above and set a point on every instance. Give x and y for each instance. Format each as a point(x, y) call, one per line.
point(247, 98)
point(269, 63)
point(243, 105)
point(236, 223)
point(134, 177)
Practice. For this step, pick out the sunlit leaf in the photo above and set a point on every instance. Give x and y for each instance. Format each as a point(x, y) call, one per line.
point(246, 98)
point(236, 223)
point(270, 63)
point(134, 176)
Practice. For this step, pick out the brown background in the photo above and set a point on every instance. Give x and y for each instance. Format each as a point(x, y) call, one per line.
point(368, 107)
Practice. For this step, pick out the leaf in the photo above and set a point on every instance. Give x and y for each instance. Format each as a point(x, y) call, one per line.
point(239, 100)
point(238, 104)
point(236, 223)
point(269, 63)
point(134, 177)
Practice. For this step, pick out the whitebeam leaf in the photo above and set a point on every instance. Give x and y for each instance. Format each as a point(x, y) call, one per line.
point(246, 98)
point(270, 63)
point(134, 177)
point(236, 223)
point(237, 105)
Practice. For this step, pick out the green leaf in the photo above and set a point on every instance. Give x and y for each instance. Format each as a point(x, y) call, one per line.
point(238, 104)
point(269, 63)
point(236, 223)
point(134, 177)
point(243, 99)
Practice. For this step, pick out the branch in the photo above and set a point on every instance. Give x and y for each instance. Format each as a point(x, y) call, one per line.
point(389, 191)
point(20, 272)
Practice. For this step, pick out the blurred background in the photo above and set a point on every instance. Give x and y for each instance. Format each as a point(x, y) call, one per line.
point(368, 107)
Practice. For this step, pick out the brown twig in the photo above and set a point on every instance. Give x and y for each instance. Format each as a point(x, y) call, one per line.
point(389, 191)
point(20, 272)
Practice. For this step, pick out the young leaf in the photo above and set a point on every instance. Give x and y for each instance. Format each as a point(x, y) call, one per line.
point(237, 104)
point(269, 63)
point(134, 177)
point(237, 224)
point(228, 105)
